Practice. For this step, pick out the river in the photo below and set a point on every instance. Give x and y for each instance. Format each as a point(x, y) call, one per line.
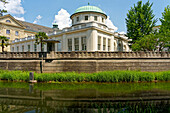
point(16, 97)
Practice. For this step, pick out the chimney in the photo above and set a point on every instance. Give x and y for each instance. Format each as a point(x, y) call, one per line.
point(55, 26)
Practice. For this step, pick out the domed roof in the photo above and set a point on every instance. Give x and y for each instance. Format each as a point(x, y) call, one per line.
point(89, 9)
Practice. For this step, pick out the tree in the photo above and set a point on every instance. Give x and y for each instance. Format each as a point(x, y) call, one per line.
point(39, 37)
point(2, 10)
point(4, 42)
point(164, 32)
point(146, 43)
point(140, 21)
point(165, 20)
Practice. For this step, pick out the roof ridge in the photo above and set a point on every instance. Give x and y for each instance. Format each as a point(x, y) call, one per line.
point(34, 24)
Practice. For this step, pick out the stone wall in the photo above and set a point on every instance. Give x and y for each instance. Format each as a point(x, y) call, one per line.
point(86, 61)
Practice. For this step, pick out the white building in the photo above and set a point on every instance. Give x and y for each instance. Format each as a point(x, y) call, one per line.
point(87, 33)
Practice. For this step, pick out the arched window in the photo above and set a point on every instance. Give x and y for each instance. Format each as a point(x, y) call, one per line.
point(9, 21)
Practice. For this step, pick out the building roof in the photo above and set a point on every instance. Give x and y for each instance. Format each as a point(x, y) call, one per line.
point(89, 9)
point(30, 26)
point(35, 27)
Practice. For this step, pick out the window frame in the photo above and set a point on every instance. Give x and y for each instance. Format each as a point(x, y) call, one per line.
point(78, 19)
point(95, 18)
point(70, 44)
point(86, 18)
point(76, 44)
point(8, 32)
point(8, 21)
point(16, 33)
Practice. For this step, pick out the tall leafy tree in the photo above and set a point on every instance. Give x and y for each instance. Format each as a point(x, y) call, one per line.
point(140, 21)
point(4, 42)
point(164, 32)
point(165, 20)
point(2, 10)
point(39, 37)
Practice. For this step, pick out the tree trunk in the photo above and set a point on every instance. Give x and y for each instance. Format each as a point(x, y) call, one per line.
point(41, 46)
point(2, 45)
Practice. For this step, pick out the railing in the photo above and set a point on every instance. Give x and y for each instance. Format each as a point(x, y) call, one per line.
point(84, 55)
point(107, 55)
point(22, 55)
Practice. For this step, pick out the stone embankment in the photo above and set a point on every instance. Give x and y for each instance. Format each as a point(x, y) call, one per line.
point(85, 61)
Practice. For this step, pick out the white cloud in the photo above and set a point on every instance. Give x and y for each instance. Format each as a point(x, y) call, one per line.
point(110, 24)
point(39, 17)
point(19, 18)
point(13, 7)
point(122, 32)
point(62, 19)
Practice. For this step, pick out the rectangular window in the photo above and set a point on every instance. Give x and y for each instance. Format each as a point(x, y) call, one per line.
point(103, 20)
point(28, 48)
point(108, 44)
point(76, 44)
point(99, 42)
point(83, 43)
point(77, 19)
point(16, 33)
point(35, 47)
point(104, 44)
point(17, 48)
point(59, 46)
point(69, 44)
point(8, 32)
point(95, 18)
point(72, 21)
point(86, 17)
point(22, 48)
point(12, 49)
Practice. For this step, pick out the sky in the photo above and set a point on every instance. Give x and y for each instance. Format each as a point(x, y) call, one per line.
point(46, 12)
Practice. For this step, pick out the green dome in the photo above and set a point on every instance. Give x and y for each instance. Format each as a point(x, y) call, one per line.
point(89, 9)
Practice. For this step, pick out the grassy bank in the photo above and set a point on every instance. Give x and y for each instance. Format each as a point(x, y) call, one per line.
point(107, 76)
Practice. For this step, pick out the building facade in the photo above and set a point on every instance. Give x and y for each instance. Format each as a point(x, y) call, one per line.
point(14, 29)
point(87, 33)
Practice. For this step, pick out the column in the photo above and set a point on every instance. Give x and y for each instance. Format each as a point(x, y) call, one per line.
point(112, 44)
point(101, 43)
point(64, 44)
point(94, 38)
point(80, 46)
point(73, 48)
point(106, 44)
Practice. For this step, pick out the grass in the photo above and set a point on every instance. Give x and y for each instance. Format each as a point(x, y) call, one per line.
point(106, 76)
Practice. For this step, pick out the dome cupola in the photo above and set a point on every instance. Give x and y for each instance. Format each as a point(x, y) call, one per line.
point(89, 9)
point(86, 14)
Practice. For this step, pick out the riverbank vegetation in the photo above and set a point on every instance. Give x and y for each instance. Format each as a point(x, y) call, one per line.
point(106, 76)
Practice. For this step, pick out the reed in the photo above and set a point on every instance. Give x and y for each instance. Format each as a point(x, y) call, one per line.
point(106, 76)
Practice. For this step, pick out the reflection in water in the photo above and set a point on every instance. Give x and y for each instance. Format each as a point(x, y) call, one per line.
point(87, 98)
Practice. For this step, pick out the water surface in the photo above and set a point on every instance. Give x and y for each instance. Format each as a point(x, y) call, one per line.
point(84, 97)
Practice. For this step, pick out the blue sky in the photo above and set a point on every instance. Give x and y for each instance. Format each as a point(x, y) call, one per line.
point(43, 11)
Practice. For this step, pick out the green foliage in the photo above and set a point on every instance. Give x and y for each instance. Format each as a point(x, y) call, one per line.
point(146, 43)
point(140, 21)
point(2, 10)
point(14, 75)
point(4, 42)
point(106, 76)
point(164, 33)
point(39, 37)
point(165, 20)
